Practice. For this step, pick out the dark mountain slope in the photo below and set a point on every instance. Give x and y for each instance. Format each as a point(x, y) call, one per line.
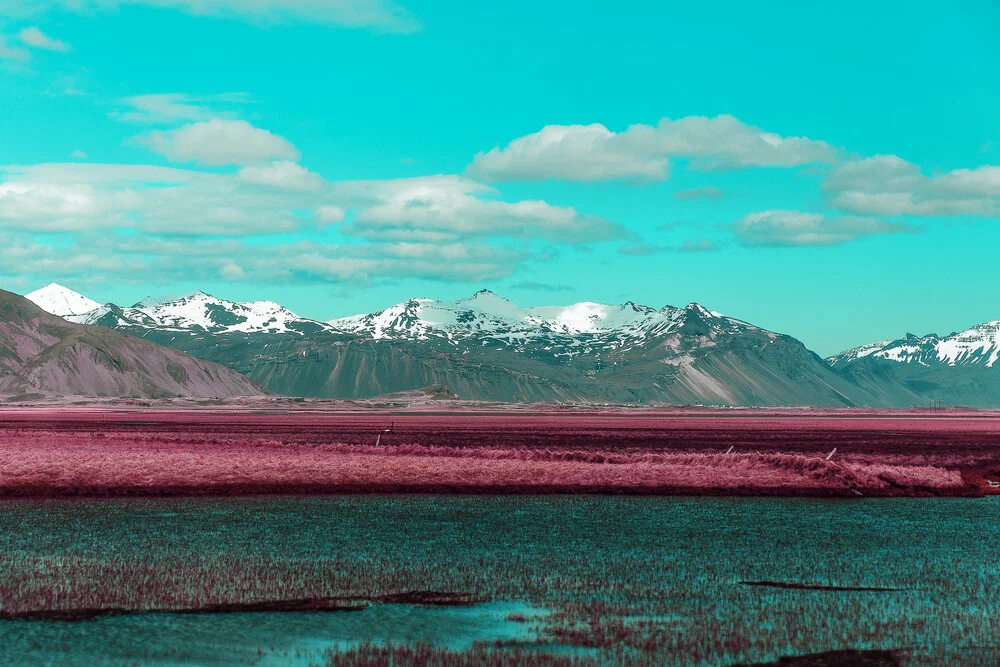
point(42, 353)
point(699, 358)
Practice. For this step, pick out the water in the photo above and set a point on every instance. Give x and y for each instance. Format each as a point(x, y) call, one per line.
point(657, 579)
point(252, 638)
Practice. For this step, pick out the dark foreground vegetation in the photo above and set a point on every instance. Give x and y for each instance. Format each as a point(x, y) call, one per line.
point(446, 580)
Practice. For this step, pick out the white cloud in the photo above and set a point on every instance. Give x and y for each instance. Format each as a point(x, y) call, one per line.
point(165, 200)
point(52, 207)
point(78, 155)
point(570, 152)
point(458, 207)
point(37, 39)
point(643, 152)
point(282, 174)
point(168, 108)
point(232, 271)
point(330, 215)
point(8, 52)
point(150, 260)
point(379, 15)
point(887, 185)
point(219, 142)
point(778, 228)
point(444, 227)
point(146, 198)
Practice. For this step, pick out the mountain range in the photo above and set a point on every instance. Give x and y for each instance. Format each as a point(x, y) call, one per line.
point(488, 348)
point(957, 369)
point(41, 354)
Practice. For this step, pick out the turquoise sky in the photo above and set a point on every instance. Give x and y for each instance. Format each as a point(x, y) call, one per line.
point(823, 169)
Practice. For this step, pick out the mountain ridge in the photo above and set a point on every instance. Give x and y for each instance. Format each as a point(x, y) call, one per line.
point(979, 344)
point(487, 347)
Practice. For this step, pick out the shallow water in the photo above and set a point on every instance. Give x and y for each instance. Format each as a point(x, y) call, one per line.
point(675, 569)
point(261, 638)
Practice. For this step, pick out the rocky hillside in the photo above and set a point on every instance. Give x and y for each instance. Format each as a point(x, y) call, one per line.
point(44, 354)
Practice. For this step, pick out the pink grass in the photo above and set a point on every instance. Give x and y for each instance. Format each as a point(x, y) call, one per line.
point(53, 463)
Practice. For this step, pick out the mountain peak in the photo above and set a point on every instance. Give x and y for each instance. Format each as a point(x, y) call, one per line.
point(700, 310)
point(61, 301)
point(489, 302)
point(485, 295)
point(158, 301)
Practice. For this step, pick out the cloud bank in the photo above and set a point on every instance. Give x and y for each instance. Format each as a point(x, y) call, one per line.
point(378, 15)
point(643, 152)
point(174, 224)
point(887, 185)
point(779, 228)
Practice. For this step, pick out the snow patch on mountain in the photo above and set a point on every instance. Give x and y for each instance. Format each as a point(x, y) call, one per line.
point(61, 301)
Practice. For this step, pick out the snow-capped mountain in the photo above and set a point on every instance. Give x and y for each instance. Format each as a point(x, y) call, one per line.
point(60, 301)
point(486, 347)
point(485, 319)
point(486, 314)
point(978, 346)
point(855, 353)
point(626, 352)
point(958, 369)
point(204, 312)
point(196, 311)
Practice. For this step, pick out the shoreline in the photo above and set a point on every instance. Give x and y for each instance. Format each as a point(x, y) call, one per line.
point(472, 491)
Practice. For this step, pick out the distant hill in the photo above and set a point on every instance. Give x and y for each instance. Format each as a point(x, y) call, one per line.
point(435, 392)
point(44, 354)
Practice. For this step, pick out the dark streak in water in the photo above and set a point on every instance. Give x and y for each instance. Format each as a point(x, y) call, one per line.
point(836, 659)
point(819, 587)
point(426, 598)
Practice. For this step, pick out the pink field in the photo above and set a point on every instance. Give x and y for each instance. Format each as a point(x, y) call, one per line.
point(112, 453)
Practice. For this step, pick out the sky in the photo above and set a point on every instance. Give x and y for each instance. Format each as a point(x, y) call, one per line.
point(829, 170)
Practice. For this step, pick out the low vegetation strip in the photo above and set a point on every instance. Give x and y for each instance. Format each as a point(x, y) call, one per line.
point(55, 464)
point(314, 604)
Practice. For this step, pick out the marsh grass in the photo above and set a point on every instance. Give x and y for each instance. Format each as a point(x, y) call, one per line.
point(623, 580)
